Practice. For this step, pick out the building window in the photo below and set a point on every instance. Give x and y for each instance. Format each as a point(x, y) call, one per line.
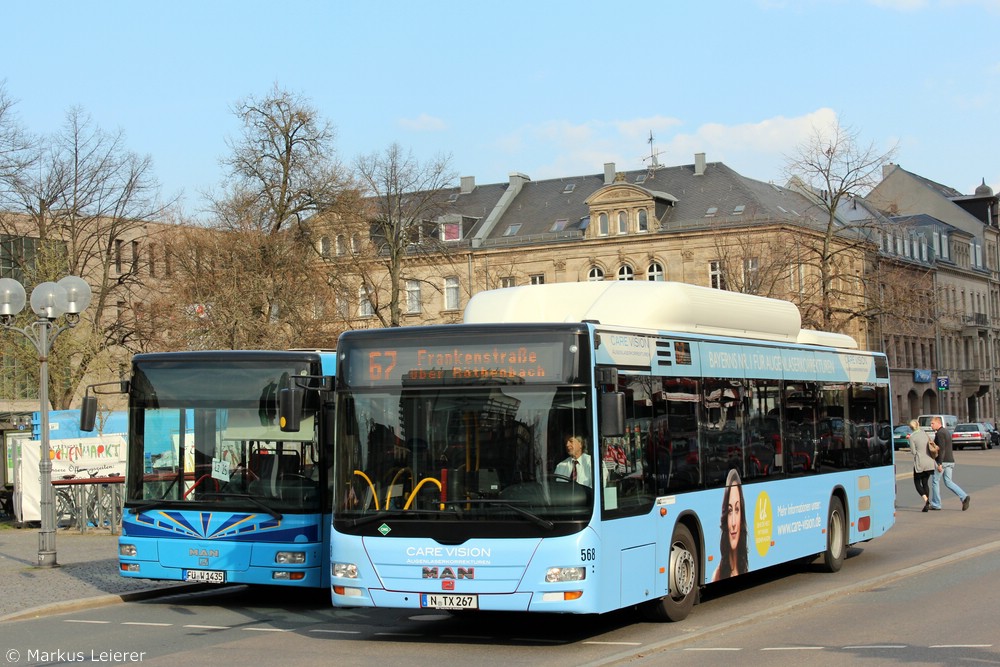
point(118, 255)
point(622, 222)
point(625, 272)
point(655, 272)
point(750, 267)
point(343, 307)
point(355, 245)
point(603, 225)
point(716, 278)
point(559, 225)
point(595, 274)
point(413, 297)
point(324, 247)
point(151, 259)
point(507, 281)
point(450, 231)
point(798, 279)
point(365, 307)
point(451, 300)
point(643, 220)
point(339, 247)
point(135, 257)
point(512, 229)
point(537, 279)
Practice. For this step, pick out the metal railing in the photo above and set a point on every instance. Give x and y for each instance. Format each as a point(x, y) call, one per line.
point(86, 504)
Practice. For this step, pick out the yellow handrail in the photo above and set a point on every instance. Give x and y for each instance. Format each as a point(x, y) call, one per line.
point(388, 491)
point(370, 486)
point(413, 494)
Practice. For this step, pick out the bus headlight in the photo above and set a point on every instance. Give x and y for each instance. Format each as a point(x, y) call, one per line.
point(556, 575)
point(127, 550)
point(290, 557)
point(345, 570)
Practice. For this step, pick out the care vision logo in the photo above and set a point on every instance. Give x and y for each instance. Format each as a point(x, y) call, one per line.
point(384, 529)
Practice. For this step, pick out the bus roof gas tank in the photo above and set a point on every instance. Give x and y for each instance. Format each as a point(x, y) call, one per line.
point(663, 306)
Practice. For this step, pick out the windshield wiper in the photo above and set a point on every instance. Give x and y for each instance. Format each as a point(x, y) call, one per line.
point(160, 502)
point(275, 514)
point(506, 504)
point(147, 504)
point(385, 514)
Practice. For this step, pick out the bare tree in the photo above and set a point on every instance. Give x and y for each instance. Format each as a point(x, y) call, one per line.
point(241, 289)
point(81, 210)
point(401, 201)
point(832, 168)
point(16, 146)
point(282, 169)
point(248, 280)
point(756, 260)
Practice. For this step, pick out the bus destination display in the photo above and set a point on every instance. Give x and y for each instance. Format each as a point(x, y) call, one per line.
point(475, 362)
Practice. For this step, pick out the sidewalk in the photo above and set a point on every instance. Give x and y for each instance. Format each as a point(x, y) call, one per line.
point(86, 574)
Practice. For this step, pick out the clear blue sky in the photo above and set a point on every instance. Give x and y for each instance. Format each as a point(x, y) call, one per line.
point(544, 87)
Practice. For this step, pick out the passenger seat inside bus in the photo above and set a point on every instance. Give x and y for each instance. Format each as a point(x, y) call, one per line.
point(273, 471)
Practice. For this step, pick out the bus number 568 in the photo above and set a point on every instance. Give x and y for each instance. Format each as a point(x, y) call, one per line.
point(588, 554)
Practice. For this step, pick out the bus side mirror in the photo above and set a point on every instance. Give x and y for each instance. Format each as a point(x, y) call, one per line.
point(290, 400)
point(612, 414)
point(88, 413)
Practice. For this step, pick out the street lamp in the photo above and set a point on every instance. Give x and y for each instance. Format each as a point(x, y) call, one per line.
point(49, 301)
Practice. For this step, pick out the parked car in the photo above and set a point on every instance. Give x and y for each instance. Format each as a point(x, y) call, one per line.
point(901, 436)
point(994, 435)
point(948, 421)
point(971, 435)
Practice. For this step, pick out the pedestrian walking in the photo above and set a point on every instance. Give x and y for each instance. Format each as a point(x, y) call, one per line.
point(945, 469)
point(923, 462)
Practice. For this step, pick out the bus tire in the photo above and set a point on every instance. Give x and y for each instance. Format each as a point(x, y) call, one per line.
point(836, 536)
point(683, 576)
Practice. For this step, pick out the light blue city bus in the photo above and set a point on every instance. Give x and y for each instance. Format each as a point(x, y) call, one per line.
point(217, 489)
point(718, 438)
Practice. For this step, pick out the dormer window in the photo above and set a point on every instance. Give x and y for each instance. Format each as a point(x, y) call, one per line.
point(449, 231)
point(559, 225)
point(512, 230)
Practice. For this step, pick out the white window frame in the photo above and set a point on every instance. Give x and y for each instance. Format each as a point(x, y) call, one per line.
point(451, 293)
point(413, 304)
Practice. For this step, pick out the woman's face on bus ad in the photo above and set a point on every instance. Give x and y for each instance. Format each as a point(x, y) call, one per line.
point(734, 512)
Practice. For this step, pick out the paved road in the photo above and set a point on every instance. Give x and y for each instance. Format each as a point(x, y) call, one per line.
point(86, 574)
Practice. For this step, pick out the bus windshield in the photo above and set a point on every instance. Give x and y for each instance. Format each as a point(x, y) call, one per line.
point(489, 455)
point(204, 432)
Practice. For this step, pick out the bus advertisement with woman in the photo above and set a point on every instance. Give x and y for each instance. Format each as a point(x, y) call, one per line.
point(569, 447)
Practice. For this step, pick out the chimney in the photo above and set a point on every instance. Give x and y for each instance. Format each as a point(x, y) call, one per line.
point(699, 164)
point(468, 185)
point(609, 173)
point(887, 169)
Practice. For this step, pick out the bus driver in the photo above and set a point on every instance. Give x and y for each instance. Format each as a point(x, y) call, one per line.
point(577, 466)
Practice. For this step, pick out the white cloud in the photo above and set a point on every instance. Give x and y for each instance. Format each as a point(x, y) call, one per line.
point(424, 123)
point(758, 150)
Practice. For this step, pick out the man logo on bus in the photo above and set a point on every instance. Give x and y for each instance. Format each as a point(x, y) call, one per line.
point(449, 573)
point(204, 553)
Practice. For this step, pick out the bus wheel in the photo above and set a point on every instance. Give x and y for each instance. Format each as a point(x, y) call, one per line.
point(683, 573)
point(836, 537)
